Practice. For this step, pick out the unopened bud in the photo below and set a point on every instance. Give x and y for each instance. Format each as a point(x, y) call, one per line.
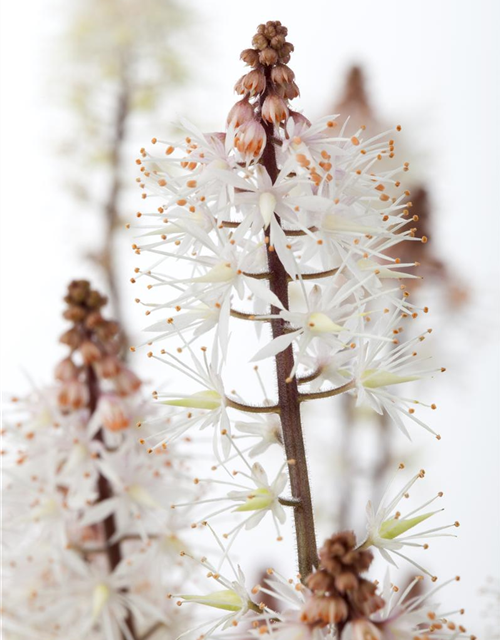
point(282, 74)
point(66, 370)
point(254, 82)
point(90, 352)
point(73, 395)
point(126, 382)
point(260, 41)
point(274, 109)
point(299, 119)
point(112, 413)
point(268, 56)
point(72, 338)
point(108, 367)
point(250, 57)
point(241, 112)
point(324, 610)
point(250, 140)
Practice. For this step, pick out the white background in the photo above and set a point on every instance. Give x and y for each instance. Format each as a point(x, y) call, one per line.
point(433, 67)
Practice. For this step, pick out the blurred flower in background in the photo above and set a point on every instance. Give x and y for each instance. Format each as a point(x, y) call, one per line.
point(121, 61)
point(91, 543)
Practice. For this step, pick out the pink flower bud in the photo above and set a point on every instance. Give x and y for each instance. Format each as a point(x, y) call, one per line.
point(299, 119)
point(126, 382)
point(268, 56)
point(254, 82)
point(90, 352)
point(73, 395)
point(281, 74)
point(66, 370)
point(250, 57)
point(112, 413)
point(291, 91)
point(274, 109)
point(250, 140)
point(241, 112)
point(108, 367)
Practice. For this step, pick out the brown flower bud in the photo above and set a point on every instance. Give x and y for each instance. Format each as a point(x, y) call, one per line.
point(346, 581)
point(324, 610)
point(72, 338)
point(299, 119)
point(241, 112)
point(73, 395)
point(250, 57)
point(66, 370)
point(254, 81)
point(107, 329)
point(274, 109)
point(268, 56)
point(281, 74)
point(95, 300)
point(77, 291)
point(108, 367)
point(260, 41)
point(75, 313)
point(286, 50)
point(93, 320)
point(364, 599)
point(277, 41)
point(126, 382)
point(250, 140)
point(112, 413)
point(291, 91)
point(90, 352)
point(321, 581)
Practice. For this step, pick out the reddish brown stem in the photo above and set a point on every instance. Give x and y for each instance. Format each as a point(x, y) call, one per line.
point(113, 550)
point(289, 403)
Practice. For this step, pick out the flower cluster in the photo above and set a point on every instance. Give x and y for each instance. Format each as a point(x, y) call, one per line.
point(280, 224)
point(89, 530)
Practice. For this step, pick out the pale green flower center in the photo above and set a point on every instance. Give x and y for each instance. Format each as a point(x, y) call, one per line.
point(260, 499)
point(394, 527)
point(227, 599)
point(321, 323)
point(373, 378)
point(209, 399)
point(99, 598)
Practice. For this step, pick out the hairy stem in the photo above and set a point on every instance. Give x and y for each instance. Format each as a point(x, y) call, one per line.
point(289, 403)
point(113, 550)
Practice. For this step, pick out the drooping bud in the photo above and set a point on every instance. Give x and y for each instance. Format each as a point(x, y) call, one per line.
point(112, 413)
point(338, 580)
point(274, 109)
point(250, 140)
point(268, 56)
point(108, 367)
point(250, 57)
point(241, 112)
point(281, 74)
point(73, 395)
point(254, 82)
point(324, 610)
point(66, 370)
point(126, 382)
point(90, 352)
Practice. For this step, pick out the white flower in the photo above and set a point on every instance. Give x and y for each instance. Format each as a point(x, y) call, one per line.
point(386, 527)
point(258, 499)
point(407, 617)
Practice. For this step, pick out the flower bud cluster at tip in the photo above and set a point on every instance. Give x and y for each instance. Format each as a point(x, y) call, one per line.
point(94, 343)
point(339, 592)
point(267, 88)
